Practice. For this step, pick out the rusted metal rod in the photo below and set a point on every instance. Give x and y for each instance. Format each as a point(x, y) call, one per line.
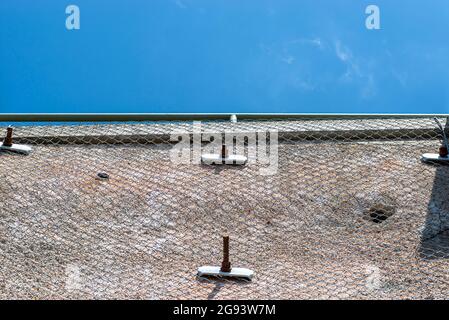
point(99, 117)
point(224, 152)
point(443, 151)
point(226, 264)
point(8, 139)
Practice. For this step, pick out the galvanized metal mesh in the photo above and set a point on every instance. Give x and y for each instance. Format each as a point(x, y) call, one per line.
point(350, 212)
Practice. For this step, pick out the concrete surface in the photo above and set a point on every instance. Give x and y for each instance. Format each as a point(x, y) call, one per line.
point(315, 230)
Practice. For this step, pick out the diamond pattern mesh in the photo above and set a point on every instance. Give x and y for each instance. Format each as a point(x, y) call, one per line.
point(351, 212)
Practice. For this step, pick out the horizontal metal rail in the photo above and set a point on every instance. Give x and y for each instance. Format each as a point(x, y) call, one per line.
point(287, 130)
point(109, 117)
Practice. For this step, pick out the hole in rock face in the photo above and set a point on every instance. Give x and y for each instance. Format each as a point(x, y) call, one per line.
point(102, 176)
point(378, 216)
point(379, 213)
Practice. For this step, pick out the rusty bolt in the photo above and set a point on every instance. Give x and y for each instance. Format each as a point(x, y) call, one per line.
point(8, 139)
point(443, 151)
point(224, 151)
point(226, 264)
point(224, 154)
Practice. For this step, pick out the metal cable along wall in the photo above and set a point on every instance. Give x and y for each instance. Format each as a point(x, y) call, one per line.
point(337, 208)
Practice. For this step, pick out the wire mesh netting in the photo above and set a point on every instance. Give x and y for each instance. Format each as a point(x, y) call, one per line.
point(347, 211)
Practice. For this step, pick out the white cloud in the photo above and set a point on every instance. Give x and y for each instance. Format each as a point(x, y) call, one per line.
point(315, 42)
point(303, 85)
point(343, 53)
point(180, 4)
point(369, 88)
point(288, 59)
point(401, 77)
point(354, 72)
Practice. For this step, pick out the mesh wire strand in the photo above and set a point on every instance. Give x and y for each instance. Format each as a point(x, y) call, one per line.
point(351, 213)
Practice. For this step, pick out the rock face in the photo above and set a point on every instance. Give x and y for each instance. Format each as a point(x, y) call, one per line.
point(340, 219)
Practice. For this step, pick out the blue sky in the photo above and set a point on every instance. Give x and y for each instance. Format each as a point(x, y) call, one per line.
point(310, 56)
